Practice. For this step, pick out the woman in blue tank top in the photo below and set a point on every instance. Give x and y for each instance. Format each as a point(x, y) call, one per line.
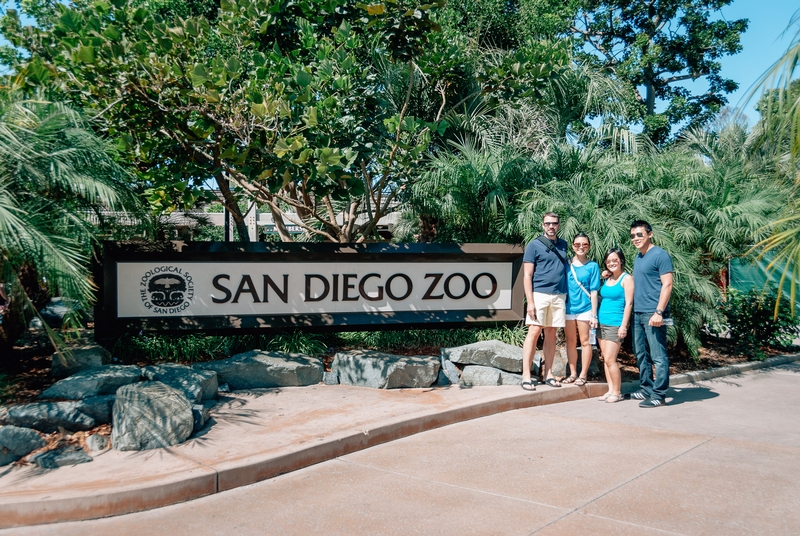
point(614, 315)
point(583, 282)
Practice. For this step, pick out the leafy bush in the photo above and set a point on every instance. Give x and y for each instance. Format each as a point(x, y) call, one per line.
point(751, 318)
point(299, 343)
point(426, 338)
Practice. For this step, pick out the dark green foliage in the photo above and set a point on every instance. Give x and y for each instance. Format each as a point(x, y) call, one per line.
point(422, 339)
point(300, 343)
point(751, 320)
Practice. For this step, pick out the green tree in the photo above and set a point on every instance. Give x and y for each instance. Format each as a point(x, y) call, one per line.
point(268, 100)
point(55, 176)
point(655, 45)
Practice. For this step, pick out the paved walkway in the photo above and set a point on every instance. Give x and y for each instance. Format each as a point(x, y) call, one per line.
point(722, 458)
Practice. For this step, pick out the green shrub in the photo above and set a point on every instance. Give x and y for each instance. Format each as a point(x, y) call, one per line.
point(425, 338)
point(299, 343)
point(751, 319)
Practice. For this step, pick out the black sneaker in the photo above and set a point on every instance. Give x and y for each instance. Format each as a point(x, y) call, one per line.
point(639, 395)
point(652, 403)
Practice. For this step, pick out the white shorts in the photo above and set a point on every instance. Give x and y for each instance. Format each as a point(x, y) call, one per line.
point(550, 310)
point(583, 317)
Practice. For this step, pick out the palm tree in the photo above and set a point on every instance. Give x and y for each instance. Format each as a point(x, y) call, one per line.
point(781, 121)
point(53, 171)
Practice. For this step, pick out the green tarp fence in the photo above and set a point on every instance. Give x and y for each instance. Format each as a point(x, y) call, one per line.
point(745, 275)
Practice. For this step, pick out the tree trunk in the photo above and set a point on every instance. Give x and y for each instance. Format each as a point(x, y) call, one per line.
point(232, 205)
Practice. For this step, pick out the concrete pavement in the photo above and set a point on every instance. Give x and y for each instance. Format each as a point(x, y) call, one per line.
point(722, 458)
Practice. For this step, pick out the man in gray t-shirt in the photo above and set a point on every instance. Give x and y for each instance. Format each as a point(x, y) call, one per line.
point(652, 287)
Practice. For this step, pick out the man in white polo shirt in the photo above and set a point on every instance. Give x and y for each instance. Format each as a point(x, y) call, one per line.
point(545, 282)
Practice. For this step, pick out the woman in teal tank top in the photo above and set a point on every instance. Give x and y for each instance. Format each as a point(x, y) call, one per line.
point(614, 315)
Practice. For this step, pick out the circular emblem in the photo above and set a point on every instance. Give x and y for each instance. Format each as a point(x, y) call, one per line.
point(167, 289)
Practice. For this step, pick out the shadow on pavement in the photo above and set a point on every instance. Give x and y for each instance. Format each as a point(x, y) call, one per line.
point(680, 395)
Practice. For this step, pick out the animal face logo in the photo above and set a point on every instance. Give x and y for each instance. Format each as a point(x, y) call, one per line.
point(166, 290)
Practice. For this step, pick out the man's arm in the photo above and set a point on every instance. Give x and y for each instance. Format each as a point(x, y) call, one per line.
point(657, 320)
point(527, 284)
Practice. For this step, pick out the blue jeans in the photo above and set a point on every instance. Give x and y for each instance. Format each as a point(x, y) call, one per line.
point(650, 347)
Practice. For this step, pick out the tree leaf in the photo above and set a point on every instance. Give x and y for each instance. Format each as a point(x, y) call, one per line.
point(86, 54)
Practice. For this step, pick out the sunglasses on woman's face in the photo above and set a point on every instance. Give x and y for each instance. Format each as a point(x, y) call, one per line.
point(637, 235)
point(580, 246)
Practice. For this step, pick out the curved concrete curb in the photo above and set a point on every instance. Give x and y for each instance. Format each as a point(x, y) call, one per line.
point(710, 374)
point(719, 372)
point(204, 479)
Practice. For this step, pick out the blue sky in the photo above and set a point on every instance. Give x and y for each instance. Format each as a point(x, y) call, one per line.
point(762, 45)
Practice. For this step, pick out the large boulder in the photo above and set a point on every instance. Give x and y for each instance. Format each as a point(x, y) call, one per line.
point(478, 375)
point(47, 417)
point(507, 378)
point(196, 383)
point(367, 368)
point(94, 381)
point(97, 407)
point(496, 354)
point(257, 369)
point(16, 442)
point(150, 415)
point(79, 357)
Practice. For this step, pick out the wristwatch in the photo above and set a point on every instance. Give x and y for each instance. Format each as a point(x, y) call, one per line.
point(660, 312)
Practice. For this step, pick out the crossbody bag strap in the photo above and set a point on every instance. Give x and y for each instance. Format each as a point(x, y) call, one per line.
point(551, 247)
point(572, 269)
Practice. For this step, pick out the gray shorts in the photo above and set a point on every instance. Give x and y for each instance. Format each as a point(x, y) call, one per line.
point(608, 333)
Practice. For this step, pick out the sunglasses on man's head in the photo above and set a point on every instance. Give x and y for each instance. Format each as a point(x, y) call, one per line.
point(637, 235)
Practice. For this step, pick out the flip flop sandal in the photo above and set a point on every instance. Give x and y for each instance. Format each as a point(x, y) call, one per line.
point(528, 386)
point(613, 398)
point(570, 379)
point(552, 382)
point(604, 397)
point(580, 382)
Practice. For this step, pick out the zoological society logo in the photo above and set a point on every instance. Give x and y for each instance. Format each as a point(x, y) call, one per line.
point(167, 289)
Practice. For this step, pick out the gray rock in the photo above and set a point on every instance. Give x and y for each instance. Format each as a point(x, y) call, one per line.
point(94, 381)
point(478, 375)
point(506, 378)
point(79, 358)
point(224, 388)
point(560, 363)
point(367, 368)
point(594, 366)
point(150, 415)
point(197, 384)
point(257, 369)
point(452, 372)
point(53, 459)
point(495, 354)
point(97, 407)
point(97, 442)
point(441, 379)
point(330, 378)
point(201, 414)
point(56, 311)
point(16, 442)
point(47, 417)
